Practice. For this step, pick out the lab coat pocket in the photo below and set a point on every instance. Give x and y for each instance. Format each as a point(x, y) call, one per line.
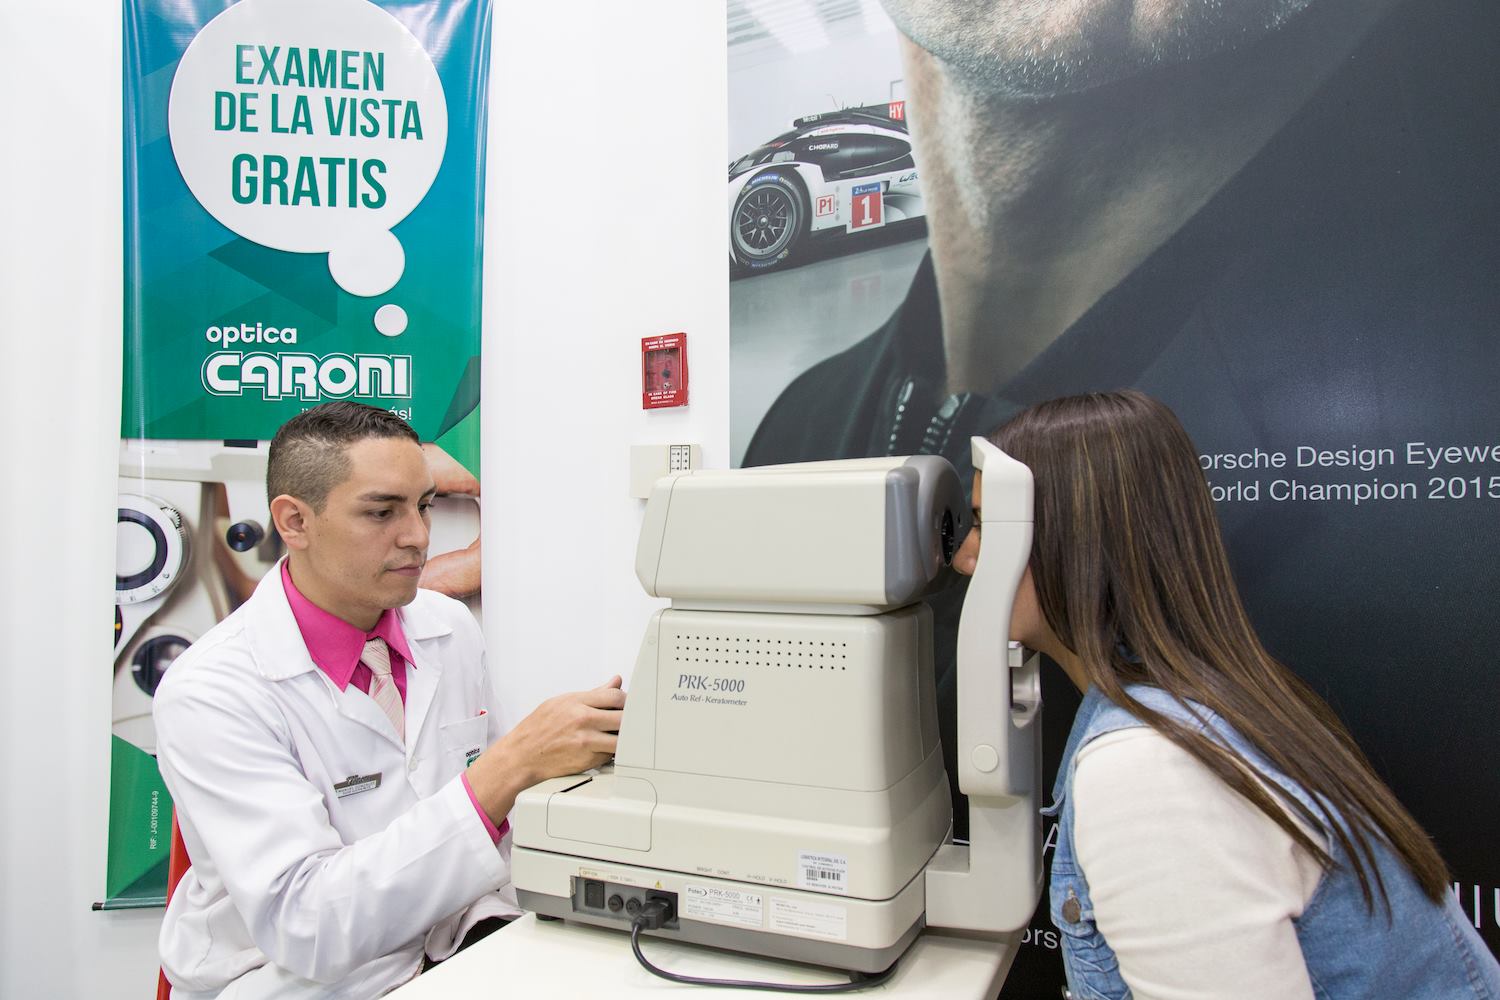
point(461, 743)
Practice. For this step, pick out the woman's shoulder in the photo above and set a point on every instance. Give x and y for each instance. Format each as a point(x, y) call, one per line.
point(1140, 775)
point(1136, 759)
point(1140, 763)
point(1100, 715)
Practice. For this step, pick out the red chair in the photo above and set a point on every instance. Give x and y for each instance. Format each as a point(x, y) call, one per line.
point(177, 865)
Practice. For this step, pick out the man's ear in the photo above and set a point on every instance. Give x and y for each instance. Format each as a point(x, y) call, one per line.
point(293, 519)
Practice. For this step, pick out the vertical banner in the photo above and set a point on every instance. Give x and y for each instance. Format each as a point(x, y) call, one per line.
point(1285, 225)
point(303, 221)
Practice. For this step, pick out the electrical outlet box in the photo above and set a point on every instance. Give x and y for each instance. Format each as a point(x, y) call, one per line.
point(649, 462)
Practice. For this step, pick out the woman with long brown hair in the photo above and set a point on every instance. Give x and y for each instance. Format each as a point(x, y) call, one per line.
point(1219, 832)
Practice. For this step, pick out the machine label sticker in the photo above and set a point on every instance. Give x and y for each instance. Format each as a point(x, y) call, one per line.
point(825, 872)
point(356, 783)
point(795, 916)
point(617, 877)
point(723, 906)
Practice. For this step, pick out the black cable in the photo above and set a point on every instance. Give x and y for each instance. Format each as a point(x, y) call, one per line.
point(651, 917)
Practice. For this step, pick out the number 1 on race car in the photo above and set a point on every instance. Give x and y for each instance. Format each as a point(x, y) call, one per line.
point(866, 207)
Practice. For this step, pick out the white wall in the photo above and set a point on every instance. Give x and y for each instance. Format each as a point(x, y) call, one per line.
point(605, 225)
point(610, 228)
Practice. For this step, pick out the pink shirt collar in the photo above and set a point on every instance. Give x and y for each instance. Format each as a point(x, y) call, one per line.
point(333, 643)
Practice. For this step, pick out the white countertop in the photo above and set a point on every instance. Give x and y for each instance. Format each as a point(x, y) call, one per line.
point(537, 960)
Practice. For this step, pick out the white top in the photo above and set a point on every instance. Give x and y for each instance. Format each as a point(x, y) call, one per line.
point(1194, 888)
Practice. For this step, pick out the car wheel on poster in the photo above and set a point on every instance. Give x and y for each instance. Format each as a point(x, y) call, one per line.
point(769, 220)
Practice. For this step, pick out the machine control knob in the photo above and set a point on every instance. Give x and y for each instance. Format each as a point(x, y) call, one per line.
point(616, 903)
point(985, 758)
point(151, 548)
point(244, 535)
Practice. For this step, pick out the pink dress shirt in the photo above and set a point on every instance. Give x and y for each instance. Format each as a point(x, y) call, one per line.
point(335, 646)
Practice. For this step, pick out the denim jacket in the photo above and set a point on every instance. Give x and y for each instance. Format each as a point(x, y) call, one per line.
point(1424, 950)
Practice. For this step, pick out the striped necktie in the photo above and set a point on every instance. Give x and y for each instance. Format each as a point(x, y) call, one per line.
point(382, 688)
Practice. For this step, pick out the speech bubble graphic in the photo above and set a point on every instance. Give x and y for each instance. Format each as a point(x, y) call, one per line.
point(390, 320)
point(312, 126)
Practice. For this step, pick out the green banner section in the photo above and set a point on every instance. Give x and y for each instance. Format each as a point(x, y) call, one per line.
point(303, 222)
point(140, 828)
point(303, 212)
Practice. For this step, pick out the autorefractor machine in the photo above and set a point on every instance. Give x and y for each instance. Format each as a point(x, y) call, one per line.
point(779, 787)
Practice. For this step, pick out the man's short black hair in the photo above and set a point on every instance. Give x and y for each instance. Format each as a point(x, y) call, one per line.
point(309, 454)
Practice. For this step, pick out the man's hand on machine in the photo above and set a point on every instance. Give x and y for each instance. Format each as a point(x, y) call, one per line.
point(565, 735)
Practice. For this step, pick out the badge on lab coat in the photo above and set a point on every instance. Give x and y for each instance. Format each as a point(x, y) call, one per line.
point(356, 783)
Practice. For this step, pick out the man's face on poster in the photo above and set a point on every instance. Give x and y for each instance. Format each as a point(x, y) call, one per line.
point(1044, 48)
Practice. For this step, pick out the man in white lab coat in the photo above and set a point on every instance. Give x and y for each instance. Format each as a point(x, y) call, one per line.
point(339, 778)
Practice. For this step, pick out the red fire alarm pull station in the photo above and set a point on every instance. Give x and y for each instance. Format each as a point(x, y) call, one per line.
point(664, 371)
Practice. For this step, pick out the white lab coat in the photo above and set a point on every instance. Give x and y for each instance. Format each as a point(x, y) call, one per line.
point(293, 890)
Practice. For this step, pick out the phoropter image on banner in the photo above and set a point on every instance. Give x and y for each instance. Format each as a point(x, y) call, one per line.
point(303, 223)
point(1281, 223)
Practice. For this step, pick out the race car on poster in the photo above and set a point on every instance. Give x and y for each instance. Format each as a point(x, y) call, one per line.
point(842, 172)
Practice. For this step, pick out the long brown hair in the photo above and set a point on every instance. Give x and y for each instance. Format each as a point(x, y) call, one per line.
point(1131, 575)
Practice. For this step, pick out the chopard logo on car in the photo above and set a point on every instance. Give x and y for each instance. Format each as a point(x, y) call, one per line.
point(824, 145)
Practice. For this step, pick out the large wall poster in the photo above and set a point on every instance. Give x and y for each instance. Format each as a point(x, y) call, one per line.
point(303, 222)
point(1287, 231)
point(817, 109)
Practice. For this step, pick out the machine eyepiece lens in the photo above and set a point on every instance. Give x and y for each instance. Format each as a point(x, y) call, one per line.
point(244, 536)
